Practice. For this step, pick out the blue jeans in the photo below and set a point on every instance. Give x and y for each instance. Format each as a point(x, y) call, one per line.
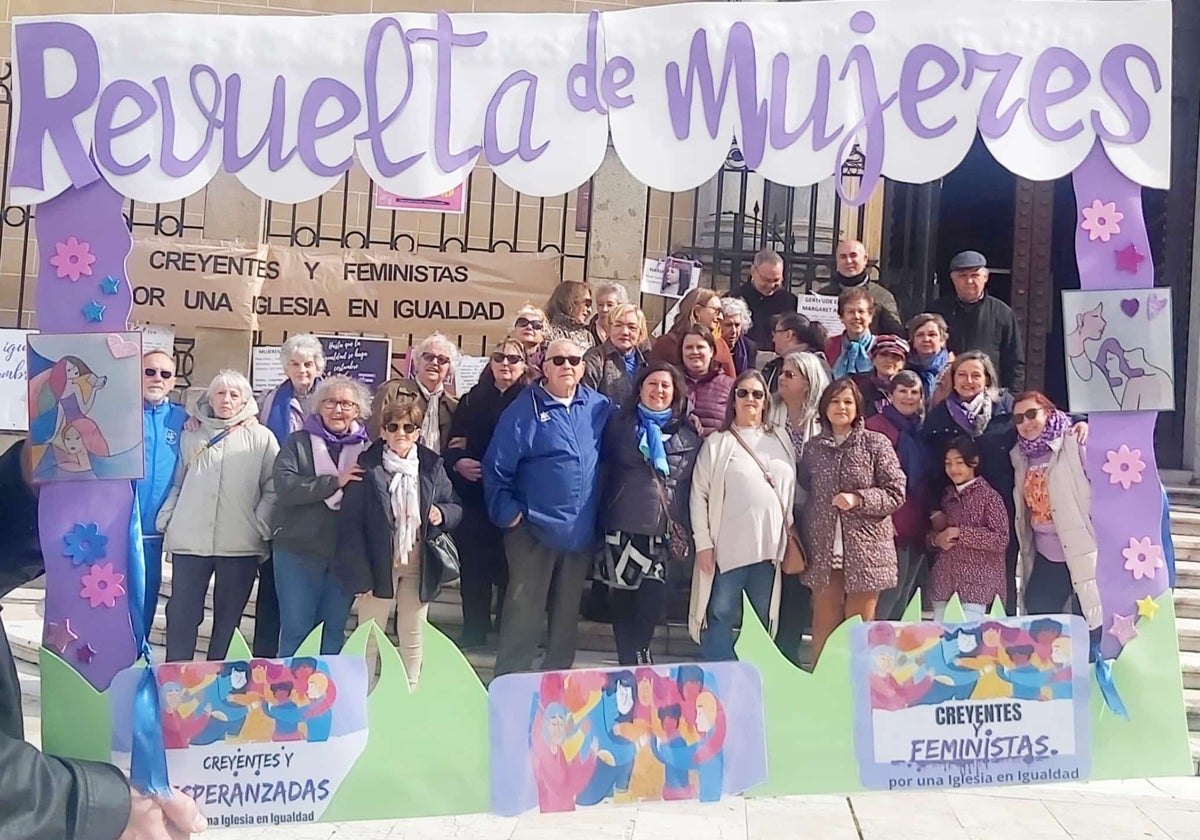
point(152, 550)
point(725, 607)
point(309, 594)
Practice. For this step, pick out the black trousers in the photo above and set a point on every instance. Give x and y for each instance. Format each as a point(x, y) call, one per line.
point(484, 566)
point(795, 616)
point(1049, 589)
point(635, 613)
point(185, 608)
point(266, 613)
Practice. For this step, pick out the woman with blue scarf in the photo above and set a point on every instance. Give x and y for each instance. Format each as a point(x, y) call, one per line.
point(928, 334)
point(851, 351)
point(649, 452)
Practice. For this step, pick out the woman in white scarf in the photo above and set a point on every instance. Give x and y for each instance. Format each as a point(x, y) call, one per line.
point(383, 526)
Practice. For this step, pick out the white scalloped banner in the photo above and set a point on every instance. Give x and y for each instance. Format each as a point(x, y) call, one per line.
point(156, 104)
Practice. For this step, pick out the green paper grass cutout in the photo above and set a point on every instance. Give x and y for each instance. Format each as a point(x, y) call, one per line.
point(954, 612)
point(238, 649)
point(311, 646)
point(913, 611)
point(76, 718)
point(997, 610)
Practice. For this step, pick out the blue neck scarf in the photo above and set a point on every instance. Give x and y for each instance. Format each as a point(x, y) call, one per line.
point(929, 370)
point(854, 357)
point(650, 441)
point(279, 420)
point(631, 360)
point(914, 458)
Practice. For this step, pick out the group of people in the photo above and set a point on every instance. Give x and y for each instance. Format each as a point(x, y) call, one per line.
point(588, 452)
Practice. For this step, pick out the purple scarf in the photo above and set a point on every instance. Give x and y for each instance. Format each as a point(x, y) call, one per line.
point(333, 453)
point(741, 355)
point(1056, 426)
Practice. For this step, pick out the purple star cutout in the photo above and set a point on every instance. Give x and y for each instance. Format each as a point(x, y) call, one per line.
point(1129, 258)
point(85, 653)
point(59, 636)
point(1123, 628)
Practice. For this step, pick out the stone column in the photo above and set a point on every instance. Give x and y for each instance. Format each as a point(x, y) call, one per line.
point(618, 226)
point(231, 213)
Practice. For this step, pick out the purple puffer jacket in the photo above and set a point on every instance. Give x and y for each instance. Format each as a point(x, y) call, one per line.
point(708, 397)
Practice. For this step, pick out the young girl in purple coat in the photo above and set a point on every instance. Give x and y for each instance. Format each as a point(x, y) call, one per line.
point(971, 535)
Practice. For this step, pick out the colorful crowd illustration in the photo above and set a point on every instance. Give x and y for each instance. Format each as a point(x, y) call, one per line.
point(253, 702)
point(627, 736)
point(926, 664)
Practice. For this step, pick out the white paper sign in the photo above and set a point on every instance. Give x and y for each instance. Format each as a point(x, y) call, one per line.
point(14, 386)
point(470, 368)
point(669, 277)
point(266, 369)
point(823, 309)
point(156, 338)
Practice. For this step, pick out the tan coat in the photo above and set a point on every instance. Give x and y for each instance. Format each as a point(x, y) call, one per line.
point(396, 389)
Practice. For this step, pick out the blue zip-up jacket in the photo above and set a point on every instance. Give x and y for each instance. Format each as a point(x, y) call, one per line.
point(162, 429)
point(543, 463)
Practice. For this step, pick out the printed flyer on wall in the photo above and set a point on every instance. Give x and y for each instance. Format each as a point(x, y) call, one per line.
point(259, 742)
point(1002, 701)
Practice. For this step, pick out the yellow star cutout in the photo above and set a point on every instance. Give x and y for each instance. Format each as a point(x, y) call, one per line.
point(1147, 608)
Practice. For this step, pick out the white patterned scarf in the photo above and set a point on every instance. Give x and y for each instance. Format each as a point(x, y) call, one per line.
point(404, 491)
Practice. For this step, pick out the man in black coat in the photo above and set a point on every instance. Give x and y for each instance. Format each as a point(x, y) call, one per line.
point(43, 797)
point(852, 271)
point(765, 295)
point(979, 321)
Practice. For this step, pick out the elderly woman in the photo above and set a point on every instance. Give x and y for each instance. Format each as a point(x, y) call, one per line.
point(480, 543)
point(529, 328)
point(854, 484)
point(311, 473)
point(385, 522)
point(285, 407)
point(888, 355)
point(215, 519)
point(736, 322)
point(570, 312)
point(791, 332)
point(610, 367)
point(802, 378)
point(608, 295)
point(650, 450)
point(434, 358)
point(699, 306)
point(708, 387)
point(899, 420)
point(1053, 499)
point(741, 509)
point(929, 359)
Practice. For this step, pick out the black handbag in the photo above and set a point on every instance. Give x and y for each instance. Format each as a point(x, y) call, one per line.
point(439, 565)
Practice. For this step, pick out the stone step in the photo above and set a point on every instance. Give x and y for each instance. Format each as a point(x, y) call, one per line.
point(1187, 573)
point(1182, 494)
point(1191, 700)
point(1189, 634)
point(1187, 603)
point(1190, 664)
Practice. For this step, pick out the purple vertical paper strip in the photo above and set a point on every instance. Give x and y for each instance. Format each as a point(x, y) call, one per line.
point(91, 215)
point(1118, 515)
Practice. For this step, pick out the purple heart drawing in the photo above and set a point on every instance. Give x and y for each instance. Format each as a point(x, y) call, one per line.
point(1130, 306)
point(1154, 306)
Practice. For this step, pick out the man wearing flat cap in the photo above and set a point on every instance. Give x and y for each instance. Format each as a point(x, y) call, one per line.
point(979, 321)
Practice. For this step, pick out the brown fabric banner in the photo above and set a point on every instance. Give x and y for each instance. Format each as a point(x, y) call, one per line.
point(225, 285)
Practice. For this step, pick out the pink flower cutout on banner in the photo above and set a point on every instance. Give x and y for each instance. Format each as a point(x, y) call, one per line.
point(1101, 221)
point(102, 586)
point(1124, 466)
point(72, 259)
point(1142, 558)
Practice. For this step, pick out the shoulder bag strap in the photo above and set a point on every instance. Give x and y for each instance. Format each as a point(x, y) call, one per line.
point(765, 472)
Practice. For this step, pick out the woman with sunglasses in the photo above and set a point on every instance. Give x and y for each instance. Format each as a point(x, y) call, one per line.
point(311, 473)
point(434, 359)
point(650, 450)
point(741, 508)
point(385, 521)
point(480, 543)
point(854, 484)
point(529, 328)
point(699, 306)
point(570, 313)
point(1053, 499)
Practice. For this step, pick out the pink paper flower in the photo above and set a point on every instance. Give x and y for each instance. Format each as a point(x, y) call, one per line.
point(72, 259)
point(1124, 466)
point(1101, 221)
point(1142, 558)
point(102, 586)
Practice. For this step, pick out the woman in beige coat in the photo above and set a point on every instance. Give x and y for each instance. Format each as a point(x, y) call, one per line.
point(741, 509)
point(215, 518)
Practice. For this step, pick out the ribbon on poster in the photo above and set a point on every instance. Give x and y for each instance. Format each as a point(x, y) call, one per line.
point(156, 105)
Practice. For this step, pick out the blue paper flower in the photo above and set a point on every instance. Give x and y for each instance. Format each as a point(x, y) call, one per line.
point(85, 544)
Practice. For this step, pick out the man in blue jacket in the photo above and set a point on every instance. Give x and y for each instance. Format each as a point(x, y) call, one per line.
point(162, 427)
point(541, 484)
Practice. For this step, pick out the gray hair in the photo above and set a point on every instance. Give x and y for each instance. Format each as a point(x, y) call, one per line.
point(814, 374)
point(230, 379)
point(563, 341)
point(359, 392)
point(737, 306)
point(613, 288)
point(437, 338)
point(306, 346)
point(767, 257)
